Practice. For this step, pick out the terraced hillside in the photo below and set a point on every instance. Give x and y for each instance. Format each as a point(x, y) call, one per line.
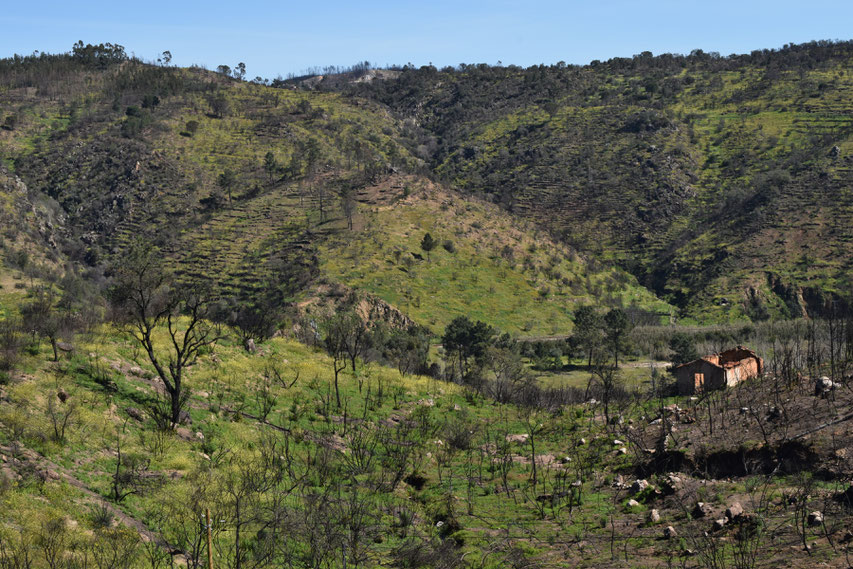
point(721, 183)
point(254, 188)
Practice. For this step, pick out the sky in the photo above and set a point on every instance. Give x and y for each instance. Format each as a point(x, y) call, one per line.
point(278, 38)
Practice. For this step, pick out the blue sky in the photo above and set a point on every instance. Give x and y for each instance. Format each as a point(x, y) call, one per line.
point(275, 38)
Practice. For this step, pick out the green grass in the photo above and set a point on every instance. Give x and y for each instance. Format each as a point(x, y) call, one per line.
point(497, 271)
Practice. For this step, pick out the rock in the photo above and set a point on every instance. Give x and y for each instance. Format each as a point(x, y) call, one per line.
point(184, 433)
point(700, 510)
point(456, 407)
point(62, 396)
point(670, 533)
point(426, 402)
point(734, 511)
point(815, 519)
point(632, 503)
point(581, 442)
point(137, 371)
point(566, 459)
point(184, 418)
point(64, 347)
point(135, 413)
point(199, 435)
point(638, 486)
point(835, 152)
point(823, 386)
point(617, 443)
point(672, 483)
point(618, 482)
point(654, 517)
point(744, 410)
point(250, 346)
point(622, 450)
point(720, 523)
point(522, 438)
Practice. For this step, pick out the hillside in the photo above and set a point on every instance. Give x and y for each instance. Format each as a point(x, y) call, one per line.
point(720, 183)
point(251, 188)
point(220, 303)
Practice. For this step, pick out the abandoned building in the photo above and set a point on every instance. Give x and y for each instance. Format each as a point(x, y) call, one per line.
point(717, 371)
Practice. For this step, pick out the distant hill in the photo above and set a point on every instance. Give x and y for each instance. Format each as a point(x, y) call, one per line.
point(722, 183)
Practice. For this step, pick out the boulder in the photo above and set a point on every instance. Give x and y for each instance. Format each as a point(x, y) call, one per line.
point(250, 346)
point(184, 418)
point(734, 511)
point(638, 486)
point(633, 503)
point(135, 414)
point(64, 347)
point(700, 510)
point(521, 438)
point(654, 517)
point(815, 519)
point(823, 386)
point(720, 523)
point(671, 483)
point(670, 533)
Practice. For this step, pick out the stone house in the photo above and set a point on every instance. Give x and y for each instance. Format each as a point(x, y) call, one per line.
point(717, 371)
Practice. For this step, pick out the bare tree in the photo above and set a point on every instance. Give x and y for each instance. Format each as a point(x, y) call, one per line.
point(145, 302)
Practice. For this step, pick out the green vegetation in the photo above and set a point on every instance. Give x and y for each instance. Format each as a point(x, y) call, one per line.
point(404, 323)
point(495, 269)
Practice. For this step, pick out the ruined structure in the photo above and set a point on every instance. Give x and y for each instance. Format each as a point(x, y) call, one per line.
point(718, 371)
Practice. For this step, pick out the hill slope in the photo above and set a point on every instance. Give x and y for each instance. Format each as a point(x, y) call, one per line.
point(721, 183)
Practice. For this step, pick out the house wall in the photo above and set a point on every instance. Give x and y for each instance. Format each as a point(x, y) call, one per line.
point(746, 369)
point(685, 377)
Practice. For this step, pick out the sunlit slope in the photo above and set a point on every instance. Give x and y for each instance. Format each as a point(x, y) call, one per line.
point(486, 264)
